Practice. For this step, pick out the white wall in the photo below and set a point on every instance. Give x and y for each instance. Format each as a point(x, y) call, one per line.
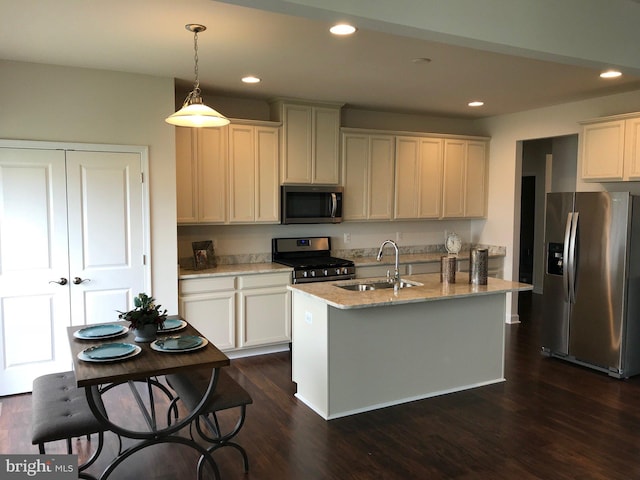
point(502, 224)
point(43, 102)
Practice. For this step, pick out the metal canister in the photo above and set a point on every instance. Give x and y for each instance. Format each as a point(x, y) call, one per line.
point(448, 265)
point(478, 266)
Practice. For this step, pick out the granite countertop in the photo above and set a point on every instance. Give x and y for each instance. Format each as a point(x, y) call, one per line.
point(431, 290)
point(233, 269)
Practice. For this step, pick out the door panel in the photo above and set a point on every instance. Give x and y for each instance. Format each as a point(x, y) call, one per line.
point(34, 312)
point(596, 318)
point(555, 318)
point(105, 233)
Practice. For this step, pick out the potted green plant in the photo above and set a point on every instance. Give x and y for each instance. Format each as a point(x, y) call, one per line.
point(145, 318)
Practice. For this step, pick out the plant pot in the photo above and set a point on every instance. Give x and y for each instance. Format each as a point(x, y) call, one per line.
point(146, 333)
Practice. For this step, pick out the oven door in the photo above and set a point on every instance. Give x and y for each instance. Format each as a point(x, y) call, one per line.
point(311, 204)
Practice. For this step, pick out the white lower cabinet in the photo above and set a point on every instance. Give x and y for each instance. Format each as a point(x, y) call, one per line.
point(264, 309)
point(209, 305)
point(239, 311)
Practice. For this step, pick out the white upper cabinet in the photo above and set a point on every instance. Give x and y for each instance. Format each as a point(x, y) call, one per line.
point(464, 179)
point(310, 142)
point(611, 149)
point(367, 173)
point(229, 174)
point(253, 174)
point(201, 174)
point(418, 177)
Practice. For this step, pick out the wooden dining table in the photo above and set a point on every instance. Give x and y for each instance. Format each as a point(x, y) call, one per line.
point(146, 366)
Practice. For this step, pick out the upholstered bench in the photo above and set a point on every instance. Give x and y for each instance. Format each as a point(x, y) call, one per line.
point(60, 411)
point(190, 388)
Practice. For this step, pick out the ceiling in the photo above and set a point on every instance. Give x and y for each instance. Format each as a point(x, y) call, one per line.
point(294, 57)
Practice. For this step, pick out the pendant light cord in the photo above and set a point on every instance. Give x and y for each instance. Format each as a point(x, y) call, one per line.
point(196, 85)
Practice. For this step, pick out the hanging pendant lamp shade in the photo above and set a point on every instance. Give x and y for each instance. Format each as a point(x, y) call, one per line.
point(194, 113)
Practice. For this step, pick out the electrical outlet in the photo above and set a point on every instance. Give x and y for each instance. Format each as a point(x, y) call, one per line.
point(214, 243)
point(398, 236)
point(347, 238)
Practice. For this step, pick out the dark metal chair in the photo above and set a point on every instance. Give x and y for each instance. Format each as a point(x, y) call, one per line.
point(190, 388)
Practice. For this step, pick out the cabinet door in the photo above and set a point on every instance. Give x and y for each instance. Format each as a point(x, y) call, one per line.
point(603, 151)
point(264, 316)
point(326, 159)
point(476, 180)
point(380, 177)
point(186, 175)
point(355, 169)
point(430, 176)
point(267, 196)
point(455, 153)
point(296, 144)
point(213, 314)
point(242, 174)
point(406, 178)
point(212, 174)
point(632, 149)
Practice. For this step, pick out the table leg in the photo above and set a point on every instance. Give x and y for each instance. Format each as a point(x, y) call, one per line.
point(155, 435)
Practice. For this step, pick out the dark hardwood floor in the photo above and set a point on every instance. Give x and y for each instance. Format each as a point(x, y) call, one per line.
point(549, 420)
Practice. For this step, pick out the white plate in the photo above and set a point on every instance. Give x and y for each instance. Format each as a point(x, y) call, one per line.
point(158, 346)
point(172, 325)
point(100, 332)
point(109, 352)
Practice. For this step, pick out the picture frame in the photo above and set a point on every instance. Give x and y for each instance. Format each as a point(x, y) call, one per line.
point(203, 255)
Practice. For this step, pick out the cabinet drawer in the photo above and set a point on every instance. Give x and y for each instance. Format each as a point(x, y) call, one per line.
point(208, 284)
point(264, 280)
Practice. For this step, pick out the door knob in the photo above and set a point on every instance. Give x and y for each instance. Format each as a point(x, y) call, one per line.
point(78, 280)
point(62, 281)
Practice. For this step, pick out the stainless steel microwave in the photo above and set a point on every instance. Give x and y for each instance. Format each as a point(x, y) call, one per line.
point(310, 204)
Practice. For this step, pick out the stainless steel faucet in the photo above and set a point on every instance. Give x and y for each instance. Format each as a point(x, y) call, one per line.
point(396, 275)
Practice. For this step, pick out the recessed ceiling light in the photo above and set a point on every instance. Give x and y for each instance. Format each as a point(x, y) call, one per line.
point(421, 60)
point(250, 79)
point(476, 103)
point(343, 29)
point(611, 74)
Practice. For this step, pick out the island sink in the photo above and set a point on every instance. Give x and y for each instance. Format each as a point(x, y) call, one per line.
point(379, 285)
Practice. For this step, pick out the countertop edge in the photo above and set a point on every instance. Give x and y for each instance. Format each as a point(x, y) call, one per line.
point(431, 290)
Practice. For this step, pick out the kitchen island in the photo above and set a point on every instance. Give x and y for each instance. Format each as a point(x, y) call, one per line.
point(355, 351)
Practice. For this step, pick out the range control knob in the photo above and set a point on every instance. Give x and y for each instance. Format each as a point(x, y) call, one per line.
point(337, 271)
point(305, 274)
point(313, 273)
point(325, 272)
point(345, 270)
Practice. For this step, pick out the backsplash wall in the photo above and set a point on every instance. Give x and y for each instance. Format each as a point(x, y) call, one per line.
point(252, 243)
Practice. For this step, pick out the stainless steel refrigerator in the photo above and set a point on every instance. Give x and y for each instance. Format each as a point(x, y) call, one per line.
point(591, 297)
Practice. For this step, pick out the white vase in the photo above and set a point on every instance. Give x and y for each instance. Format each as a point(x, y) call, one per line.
point(146, 333)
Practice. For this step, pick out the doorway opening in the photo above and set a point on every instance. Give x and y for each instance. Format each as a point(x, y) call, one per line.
point(548, 165)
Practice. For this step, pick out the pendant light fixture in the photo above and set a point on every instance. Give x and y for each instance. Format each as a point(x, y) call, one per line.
point(194, 113)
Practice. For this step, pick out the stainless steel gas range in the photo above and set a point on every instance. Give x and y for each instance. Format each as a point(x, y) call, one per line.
point(311, 259)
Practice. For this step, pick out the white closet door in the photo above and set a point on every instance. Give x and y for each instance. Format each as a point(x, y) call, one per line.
point(106, 232)
point(34, 312)
point(64, 215)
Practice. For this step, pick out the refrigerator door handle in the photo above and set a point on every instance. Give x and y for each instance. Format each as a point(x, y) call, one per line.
point(572, 258)
point(565, 258)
